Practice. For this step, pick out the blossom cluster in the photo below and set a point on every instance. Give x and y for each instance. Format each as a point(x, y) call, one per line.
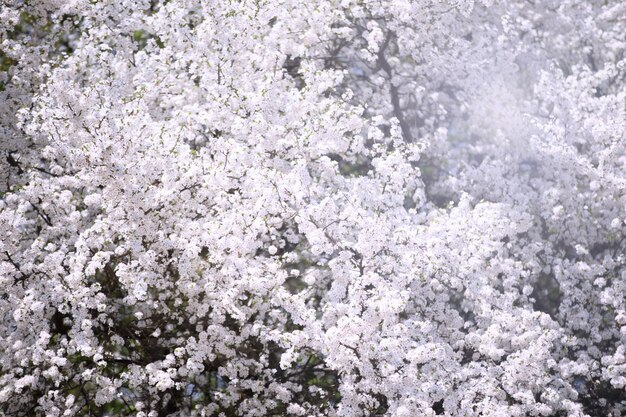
point(313, 208)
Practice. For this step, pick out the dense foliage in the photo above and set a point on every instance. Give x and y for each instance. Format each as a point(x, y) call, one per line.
point(322, 208)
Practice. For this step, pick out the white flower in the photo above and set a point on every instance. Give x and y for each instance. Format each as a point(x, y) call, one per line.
point(296, 409)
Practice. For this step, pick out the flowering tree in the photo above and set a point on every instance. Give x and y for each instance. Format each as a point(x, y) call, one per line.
point(322, 208)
